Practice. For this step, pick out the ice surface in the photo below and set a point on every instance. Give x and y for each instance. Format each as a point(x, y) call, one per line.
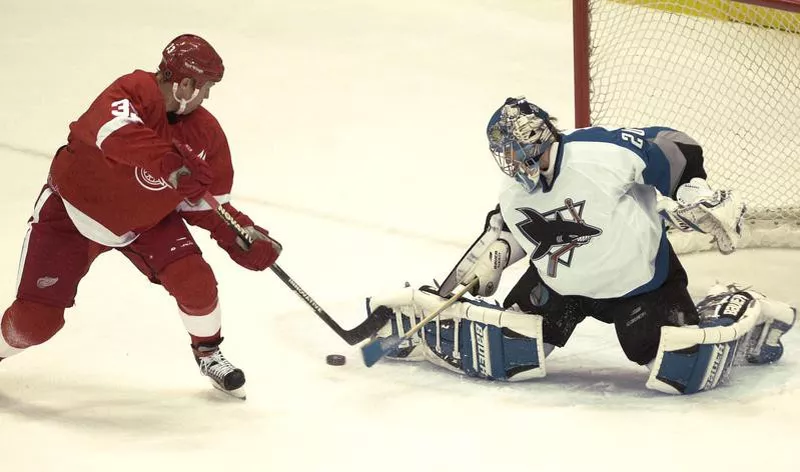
point(357, 131)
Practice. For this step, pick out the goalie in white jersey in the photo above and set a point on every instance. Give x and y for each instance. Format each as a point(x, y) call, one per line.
point(588, 207)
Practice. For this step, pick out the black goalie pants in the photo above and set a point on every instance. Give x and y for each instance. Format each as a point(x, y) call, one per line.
point(638, 319)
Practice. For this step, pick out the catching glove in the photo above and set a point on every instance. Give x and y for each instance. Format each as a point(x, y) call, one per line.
point(697, 207)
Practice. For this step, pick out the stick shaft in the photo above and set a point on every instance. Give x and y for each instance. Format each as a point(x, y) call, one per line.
point(442, 308)
point(376, 349)
point(353, 336)
point(228, 218)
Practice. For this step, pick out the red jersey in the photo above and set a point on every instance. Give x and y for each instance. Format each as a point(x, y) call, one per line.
point(114, 150)
point(203, 133)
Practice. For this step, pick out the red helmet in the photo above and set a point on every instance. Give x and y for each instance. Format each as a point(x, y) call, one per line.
point(191, 56)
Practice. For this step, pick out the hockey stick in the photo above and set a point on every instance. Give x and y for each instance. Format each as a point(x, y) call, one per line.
point(374, 350)
point(367, 328)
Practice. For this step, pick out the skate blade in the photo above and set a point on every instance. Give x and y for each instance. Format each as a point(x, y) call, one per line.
point(239, 393)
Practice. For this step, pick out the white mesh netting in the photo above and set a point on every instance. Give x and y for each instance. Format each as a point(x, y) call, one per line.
point(726, 73)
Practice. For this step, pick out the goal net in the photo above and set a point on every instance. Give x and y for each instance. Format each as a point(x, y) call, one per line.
point(726, 72)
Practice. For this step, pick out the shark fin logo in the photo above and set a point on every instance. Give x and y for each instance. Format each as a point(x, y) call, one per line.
point(557, 233)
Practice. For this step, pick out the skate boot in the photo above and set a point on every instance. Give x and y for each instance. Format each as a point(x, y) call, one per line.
point(222, 374)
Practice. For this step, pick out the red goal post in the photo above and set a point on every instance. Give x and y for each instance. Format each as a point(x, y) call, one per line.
point(726, 72)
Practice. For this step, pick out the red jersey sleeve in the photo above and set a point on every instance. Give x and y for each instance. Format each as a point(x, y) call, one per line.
point(122, 122)
point(203, 133)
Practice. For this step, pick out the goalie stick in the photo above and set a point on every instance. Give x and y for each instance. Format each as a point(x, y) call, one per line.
point(367, 328)
point(374, 350)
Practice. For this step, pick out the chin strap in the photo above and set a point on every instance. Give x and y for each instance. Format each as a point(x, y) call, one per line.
point(547, 174)
point(182, 103)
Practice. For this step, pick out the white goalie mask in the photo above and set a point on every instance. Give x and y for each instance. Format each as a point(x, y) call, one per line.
point(519, 133)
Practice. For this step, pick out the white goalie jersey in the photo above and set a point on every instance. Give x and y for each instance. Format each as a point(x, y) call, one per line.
point(592, 228)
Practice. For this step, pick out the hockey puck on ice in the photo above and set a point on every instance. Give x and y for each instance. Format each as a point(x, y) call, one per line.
point(335, 359)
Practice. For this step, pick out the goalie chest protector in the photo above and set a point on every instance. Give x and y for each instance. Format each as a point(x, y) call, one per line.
point(594, 230)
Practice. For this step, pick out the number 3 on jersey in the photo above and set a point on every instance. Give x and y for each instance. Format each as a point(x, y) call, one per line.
point(632, 136)
point(123, 109)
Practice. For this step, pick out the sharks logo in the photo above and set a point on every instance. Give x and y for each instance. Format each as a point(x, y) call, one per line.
point(555, 236)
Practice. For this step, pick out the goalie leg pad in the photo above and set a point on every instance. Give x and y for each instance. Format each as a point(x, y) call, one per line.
point(398, 325)
point(694, 369)
point(693, 359)
point(470, 337)
point(483, 350)
point(765, 345)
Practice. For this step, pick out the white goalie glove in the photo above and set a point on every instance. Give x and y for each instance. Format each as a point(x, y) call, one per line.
point(486, 259)
point(697, 207)
point(488, 267)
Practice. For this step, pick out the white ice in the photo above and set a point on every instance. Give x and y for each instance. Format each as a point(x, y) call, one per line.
point(357, 131)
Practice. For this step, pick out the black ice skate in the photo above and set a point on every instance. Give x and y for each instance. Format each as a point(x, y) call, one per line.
point(223, 375)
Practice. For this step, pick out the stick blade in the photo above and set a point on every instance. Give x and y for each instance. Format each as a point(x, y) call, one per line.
point(374, 350)
point(369, 327)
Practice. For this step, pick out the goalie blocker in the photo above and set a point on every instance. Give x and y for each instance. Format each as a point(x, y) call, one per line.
point(482, 340)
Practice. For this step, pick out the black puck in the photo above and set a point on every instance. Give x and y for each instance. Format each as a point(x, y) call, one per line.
point(335, 359)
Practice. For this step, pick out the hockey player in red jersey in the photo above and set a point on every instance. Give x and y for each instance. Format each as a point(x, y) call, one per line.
point(136, 165)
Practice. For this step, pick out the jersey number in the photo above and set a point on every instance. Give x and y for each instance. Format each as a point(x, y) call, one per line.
point(123, 108)
point(629, 134)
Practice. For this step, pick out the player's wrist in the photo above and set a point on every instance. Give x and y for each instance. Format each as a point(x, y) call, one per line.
point(171, 163)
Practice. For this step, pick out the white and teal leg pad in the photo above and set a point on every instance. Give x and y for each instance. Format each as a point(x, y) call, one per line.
point(469, 337)
point(734, 325)
point(765, 345)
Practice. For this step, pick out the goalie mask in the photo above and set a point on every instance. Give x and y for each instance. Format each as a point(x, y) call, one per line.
point(519, 133)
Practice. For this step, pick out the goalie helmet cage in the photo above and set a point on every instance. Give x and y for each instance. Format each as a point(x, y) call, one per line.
point(726, 72)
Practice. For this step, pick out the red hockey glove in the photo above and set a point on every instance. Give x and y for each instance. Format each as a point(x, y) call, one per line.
point(184, 171)
point(260, 255)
